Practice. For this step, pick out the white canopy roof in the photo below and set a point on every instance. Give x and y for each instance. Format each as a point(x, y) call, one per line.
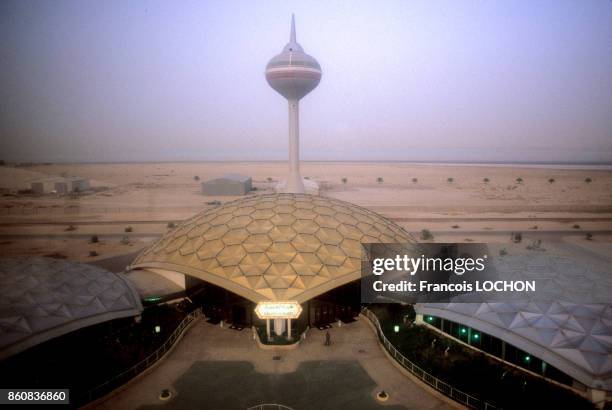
point(43, 298)
point(555, 325)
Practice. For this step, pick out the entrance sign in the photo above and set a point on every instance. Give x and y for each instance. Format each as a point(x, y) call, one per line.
point(278, 310)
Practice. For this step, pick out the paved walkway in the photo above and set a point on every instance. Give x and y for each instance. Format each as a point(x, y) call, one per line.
point(219, 368)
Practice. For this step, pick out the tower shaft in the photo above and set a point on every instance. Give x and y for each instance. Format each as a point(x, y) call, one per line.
point(293, 74)
point(294, 181)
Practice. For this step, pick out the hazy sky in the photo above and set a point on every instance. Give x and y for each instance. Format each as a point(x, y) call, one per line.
point(425, 80)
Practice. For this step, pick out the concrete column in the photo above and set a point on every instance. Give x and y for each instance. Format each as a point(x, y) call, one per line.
point(294, 179)
point(597, 397)
point(418, 320)
point(280, 326)
point(268, 328)
point(289, 329)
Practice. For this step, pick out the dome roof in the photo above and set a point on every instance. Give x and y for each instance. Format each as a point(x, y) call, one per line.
point(43, 298)
point(566, 323)
point(273, 247)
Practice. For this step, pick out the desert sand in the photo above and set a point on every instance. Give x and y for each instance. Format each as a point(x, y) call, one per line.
point(149, 196)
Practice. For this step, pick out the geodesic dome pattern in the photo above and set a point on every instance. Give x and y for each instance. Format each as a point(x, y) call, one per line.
point(566, 323)
point(43, 298)
point(273, 247)
point(575, 338)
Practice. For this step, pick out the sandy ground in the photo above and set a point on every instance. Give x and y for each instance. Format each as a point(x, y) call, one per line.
point(75, 249)
point(147, 196)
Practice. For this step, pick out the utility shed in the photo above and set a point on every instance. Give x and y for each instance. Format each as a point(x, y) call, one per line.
point(77, 184)
point(228, 184)
point(60, 185)
point(45, 185)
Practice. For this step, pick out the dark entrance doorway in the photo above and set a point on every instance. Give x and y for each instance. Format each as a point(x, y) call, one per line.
point(342, 303)
point(324, 314)
point(220, 304)
point(239, 315)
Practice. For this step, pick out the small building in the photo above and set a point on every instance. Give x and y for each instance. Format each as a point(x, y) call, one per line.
point(71, 184)
point(60, 185)
point(45, 185)
point(228, 184)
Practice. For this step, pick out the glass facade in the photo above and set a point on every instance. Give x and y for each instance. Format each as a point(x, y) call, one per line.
point(498, 348)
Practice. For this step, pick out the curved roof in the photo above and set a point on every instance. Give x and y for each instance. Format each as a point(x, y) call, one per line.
point(273, 247)
point(572, 336)
point(43, 298)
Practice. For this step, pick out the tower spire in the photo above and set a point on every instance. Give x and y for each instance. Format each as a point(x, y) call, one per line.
point(292, 36)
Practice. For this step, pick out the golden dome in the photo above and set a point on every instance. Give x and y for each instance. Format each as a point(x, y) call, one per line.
point(273, 247)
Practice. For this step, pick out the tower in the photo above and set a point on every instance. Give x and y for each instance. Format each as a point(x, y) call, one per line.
point(293, 74)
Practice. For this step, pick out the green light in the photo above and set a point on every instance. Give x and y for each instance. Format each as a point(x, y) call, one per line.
point(396, 328)
point(157, 329)
point(476, 336)
point(430, 318)
point(153, 299)
point(527, 358)
point(463, 330)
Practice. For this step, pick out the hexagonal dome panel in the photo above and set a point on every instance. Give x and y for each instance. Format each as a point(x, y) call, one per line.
point(273, 246)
